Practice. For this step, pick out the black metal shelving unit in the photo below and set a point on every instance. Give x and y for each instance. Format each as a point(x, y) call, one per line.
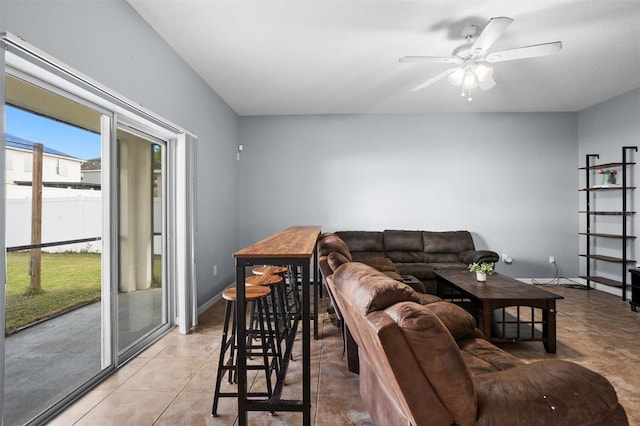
point(591, 215)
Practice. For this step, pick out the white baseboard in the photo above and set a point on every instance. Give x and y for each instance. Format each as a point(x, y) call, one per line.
point(552, 281)
point(215, 299)
point(576, 281)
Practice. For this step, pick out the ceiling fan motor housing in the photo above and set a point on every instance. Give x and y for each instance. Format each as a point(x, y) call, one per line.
point(469, 31)
point(464, 50)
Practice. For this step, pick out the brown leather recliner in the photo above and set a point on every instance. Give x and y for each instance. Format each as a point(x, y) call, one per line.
point(333, 252)
point(429, 365)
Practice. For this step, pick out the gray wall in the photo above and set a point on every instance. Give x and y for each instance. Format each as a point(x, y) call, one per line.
point(604, 129)
point(109, 42)
point(509, 178)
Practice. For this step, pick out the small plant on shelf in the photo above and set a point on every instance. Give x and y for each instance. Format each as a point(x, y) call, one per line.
point(608, 177)
point(482, 270)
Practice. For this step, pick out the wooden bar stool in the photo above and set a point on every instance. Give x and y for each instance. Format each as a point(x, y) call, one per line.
point(257, 295)
point(269, 270)
point(293, 308)
point(279, 312)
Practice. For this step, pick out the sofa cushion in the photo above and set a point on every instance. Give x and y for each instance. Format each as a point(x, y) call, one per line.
point(549, 392)
point(420, 270)
point(364, 241)
point(335, 259)
point(441, 257)
point(403, 246)
point(405, 256)
point(459, 322)
point(483, 357)
point(370, 290)
point(447, 242)
point(395, 240)
point(359, 256)
point(330, 243)
point(442, 363)
point(426, 298)
point(447, 265)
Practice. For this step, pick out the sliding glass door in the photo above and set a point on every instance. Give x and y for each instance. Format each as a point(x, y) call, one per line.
point(142, 291)
point(90, 279)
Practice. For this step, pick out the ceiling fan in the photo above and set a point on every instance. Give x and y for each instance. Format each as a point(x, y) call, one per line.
point(470, 71)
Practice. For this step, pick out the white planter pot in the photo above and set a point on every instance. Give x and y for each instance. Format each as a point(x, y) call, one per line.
point(480, 276)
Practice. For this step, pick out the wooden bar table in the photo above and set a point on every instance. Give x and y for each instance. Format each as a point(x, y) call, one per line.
point(295, 246)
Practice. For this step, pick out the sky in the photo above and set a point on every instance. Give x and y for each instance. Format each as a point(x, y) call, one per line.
point(71, 140)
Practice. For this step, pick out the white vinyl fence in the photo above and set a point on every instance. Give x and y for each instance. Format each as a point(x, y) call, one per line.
point(67, 214)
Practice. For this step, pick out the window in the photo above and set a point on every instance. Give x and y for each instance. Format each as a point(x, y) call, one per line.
point(62, 169)
point(28, 164)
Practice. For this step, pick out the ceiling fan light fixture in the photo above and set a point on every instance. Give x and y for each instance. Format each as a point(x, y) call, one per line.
point(470, 81)
point(483, 72)
point(456, 77)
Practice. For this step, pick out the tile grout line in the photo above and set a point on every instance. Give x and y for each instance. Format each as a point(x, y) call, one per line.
point(109, 391)
point(183, 386)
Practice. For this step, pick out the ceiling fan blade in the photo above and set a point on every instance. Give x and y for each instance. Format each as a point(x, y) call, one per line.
point(435, 79)
point(494, 29)
point(439, 59)
point(488, 83)
point(544, 49)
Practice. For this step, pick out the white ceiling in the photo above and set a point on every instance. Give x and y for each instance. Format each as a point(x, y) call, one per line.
point(329, 57)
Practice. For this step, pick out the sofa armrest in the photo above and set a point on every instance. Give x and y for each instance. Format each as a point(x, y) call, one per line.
point(478, 256)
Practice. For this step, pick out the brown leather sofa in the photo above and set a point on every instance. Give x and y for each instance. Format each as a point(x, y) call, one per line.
point(417, 253)
point(424, 362)
point(332, 243)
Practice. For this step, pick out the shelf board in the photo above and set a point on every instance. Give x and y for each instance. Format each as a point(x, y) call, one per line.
point(607, 188)
point(606, 165)
point(603, 280)
point(607, 213)
point(606, 258)
point(599, 234)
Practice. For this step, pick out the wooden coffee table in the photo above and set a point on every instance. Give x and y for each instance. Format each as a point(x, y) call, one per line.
point(532, 318)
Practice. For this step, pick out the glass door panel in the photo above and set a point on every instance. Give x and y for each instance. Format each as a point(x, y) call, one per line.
point(142, 295)
point(53, 341)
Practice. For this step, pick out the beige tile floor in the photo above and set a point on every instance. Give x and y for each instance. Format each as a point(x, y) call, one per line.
point(171, 383)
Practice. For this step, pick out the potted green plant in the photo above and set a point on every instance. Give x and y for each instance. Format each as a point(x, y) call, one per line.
point(482, 270)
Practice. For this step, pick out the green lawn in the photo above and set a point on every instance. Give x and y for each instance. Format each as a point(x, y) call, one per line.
point(68, 280)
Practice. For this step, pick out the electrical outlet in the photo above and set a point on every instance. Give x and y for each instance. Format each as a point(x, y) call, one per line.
point(215, 270)
point(552, 259)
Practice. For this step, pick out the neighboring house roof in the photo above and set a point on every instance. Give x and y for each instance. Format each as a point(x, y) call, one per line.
point(73, 185)
point(95, 164)
point(21, 143)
